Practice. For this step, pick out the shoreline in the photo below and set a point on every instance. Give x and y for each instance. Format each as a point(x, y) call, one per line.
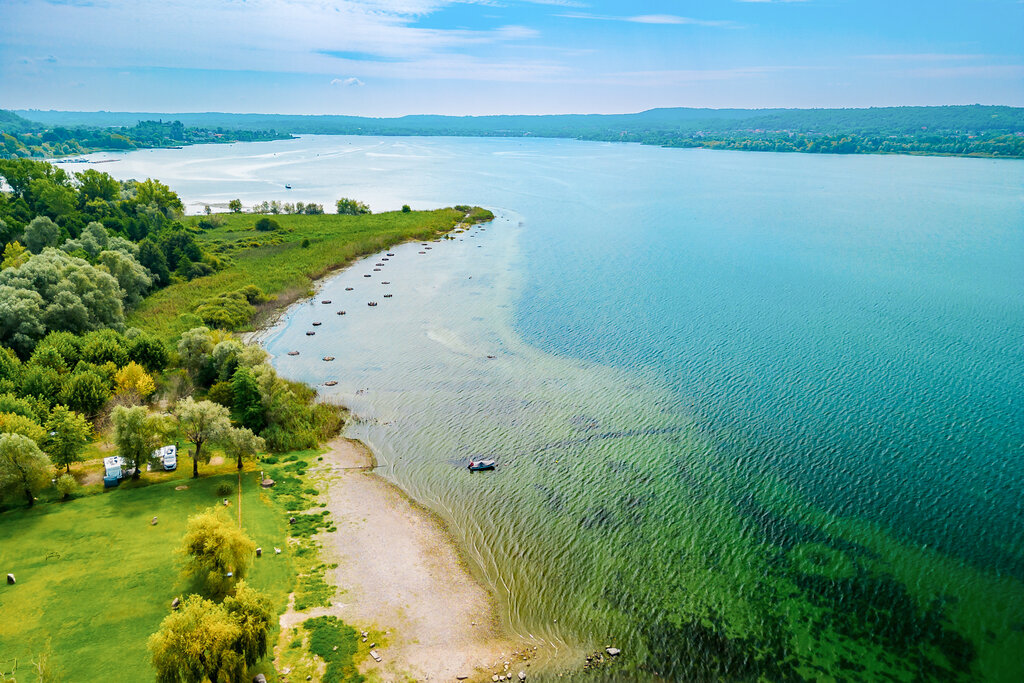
point(400, 573)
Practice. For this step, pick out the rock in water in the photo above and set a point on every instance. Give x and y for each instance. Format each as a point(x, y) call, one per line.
point(613, 651)
point(10, 579)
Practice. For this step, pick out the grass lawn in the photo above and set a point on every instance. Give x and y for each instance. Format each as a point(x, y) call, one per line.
point(277, 263)
point(97, 578)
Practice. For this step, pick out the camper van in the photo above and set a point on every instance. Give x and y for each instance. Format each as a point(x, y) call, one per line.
point(167, 457)
point(113, 471)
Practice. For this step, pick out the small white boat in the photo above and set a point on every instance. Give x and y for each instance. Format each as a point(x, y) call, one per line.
point(480, 465)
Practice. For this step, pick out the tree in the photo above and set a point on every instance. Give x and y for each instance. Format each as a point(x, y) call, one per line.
point(251, 610)
point(235, 206)
point(67, 433)
point(201, 421)
point(133, 379)
point(154, 260)
point(148, 351)
point(21, 318)
point(246, 399)
point(40, 233)
point(23, 467)
point(92, 241)
point(85, 391)
point(14, 255)
point(74, 296)
point(216, 551)
point(13, 423)
point(151, 191)
point(136, 434)
point(194, 349)
point(95, 184)
point(351, 207)
point(197, 642)
point(241, 443)
point(131, 276)
point(406, 208)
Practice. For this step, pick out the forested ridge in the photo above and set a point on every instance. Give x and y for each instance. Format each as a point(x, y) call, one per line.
point(20, 137)
point(967, 130)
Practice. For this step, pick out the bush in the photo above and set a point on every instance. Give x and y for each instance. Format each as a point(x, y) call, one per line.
point(228, 311)
point(224, 490)
point(66, 486)
point(267, 225)
point(221, 393)
point(305, 243)
point(405, 208)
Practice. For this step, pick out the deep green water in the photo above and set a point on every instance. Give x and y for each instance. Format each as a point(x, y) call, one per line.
point(757, 415)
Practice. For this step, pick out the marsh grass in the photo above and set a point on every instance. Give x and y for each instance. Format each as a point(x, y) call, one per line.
point(278, 264)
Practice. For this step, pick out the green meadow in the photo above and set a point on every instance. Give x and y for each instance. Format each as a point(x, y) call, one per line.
point(285, 262)
point(95, 577)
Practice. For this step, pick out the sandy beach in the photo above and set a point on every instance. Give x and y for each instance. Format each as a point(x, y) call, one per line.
point(399, 572)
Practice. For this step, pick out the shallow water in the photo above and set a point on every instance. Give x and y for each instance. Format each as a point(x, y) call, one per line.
point(755, 414)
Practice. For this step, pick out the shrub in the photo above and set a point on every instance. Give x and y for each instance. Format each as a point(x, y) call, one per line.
point(267, 225)
point(224, 489)
point(221, 393)
point(305, 243)
point(66, 486)
point(405, 208)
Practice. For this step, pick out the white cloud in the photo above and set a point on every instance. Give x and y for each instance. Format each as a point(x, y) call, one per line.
point(660, 19)
point(353, 81)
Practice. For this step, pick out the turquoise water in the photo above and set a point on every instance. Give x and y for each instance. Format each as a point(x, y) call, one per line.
point(755, 414)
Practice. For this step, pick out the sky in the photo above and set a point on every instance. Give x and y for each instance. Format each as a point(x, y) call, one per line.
point(395, 57)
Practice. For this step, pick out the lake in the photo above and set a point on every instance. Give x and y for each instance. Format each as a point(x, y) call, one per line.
point(754, 414)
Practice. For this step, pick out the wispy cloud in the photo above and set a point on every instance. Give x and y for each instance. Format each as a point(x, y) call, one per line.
point(348, 82)
point(923, 57)
point(662, 19)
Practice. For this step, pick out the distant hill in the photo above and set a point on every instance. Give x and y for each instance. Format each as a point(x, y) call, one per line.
point(11, 123)
point(966, 118)
point(962, 130)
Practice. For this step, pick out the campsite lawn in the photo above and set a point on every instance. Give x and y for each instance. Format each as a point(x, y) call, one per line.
point(279, 264)
point(97, 578)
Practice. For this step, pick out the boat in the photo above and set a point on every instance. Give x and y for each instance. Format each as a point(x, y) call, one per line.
point(390, 254)
point(480, 465)
point(310, 333)
point(371, 303)
point(387, 296)
point(326, 301)
point(287, 187)
point(330, 383)
point(349, 289)
point(341, 312)
point(328, 358)
point(385, 282)
point(317, 324)
point(367, 275)
point(293, 353)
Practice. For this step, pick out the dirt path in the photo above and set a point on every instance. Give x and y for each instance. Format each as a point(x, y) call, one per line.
point(399, 572)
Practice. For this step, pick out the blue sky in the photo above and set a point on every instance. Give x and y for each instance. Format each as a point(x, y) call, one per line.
point(394, 57)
